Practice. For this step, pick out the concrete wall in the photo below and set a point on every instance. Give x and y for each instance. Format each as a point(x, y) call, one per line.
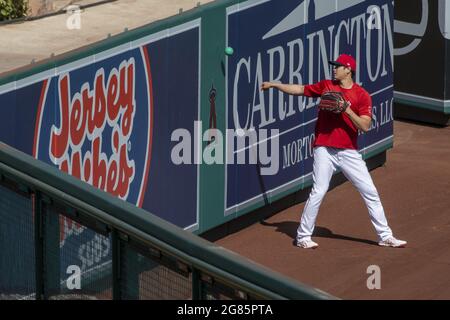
point(42, 7)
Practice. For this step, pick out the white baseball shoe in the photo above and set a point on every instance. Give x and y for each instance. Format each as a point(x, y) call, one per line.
point(392, 242)
point(306, 244)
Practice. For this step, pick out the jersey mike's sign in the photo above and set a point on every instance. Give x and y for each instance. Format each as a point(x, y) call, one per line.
point(91, 135)
point(106, 118)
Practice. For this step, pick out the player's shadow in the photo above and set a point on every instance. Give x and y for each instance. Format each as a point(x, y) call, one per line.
point(290, 228)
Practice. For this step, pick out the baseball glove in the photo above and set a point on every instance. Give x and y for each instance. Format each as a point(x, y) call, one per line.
point(333, 101)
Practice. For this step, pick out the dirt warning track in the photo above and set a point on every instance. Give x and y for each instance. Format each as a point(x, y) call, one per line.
point(414, 187)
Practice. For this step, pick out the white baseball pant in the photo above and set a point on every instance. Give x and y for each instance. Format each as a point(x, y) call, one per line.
point(326, 161)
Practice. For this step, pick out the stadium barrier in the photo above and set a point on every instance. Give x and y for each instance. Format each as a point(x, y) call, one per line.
point(146, 257)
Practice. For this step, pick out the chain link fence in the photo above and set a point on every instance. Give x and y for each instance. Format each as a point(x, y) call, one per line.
point(61, 239)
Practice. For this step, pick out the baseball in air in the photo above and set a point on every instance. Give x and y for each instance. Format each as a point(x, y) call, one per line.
point(229, 51)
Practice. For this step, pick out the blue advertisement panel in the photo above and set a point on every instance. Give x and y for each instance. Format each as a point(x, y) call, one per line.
point(107, 119)
point(293, 44)
point(422, 27)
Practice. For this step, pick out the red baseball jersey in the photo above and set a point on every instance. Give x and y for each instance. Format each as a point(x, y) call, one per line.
point(337, 130)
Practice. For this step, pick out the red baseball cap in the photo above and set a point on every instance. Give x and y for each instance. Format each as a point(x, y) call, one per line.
point(346, 61)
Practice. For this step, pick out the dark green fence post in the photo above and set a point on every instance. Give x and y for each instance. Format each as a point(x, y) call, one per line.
point(196, 285)
point(116, 261)
point(129, 269)
point(51, 257)
point(39, 245)
point(47, 266)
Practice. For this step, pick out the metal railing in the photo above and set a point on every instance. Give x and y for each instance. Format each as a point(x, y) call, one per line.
point(61, 238)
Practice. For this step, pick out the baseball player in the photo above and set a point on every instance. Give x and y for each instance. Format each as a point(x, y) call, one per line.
point(344, 109)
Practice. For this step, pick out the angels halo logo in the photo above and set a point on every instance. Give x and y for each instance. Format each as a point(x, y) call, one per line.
point(96, 123)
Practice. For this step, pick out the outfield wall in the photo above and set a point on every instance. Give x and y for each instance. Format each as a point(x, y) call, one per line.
point(108, 113)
